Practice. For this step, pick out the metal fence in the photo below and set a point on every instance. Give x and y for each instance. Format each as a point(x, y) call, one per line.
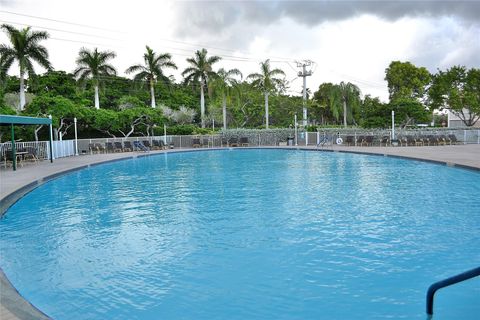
point(67, 148)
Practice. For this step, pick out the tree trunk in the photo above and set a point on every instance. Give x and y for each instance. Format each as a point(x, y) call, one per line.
point(345, 113)
point(202, 105)
point(22, 91)
point(224, 111)
point(97, 100)
point(266, 110)
point(152, 94)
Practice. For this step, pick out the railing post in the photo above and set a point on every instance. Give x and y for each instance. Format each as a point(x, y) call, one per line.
point(464, 136)
point(448, 282)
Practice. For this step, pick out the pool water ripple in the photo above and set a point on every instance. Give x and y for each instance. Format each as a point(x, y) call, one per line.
point(247, 234)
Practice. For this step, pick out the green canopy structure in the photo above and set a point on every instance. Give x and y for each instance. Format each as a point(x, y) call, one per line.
point(7, 120)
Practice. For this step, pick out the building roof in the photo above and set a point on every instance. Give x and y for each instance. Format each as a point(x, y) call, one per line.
point(8, 120)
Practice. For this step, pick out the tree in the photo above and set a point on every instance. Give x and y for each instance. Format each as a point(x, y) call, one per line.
point(267, 82)
point(152, 70)
point(343, 98)
point(25, 49)
point(375, 114)
point(350, 97)
point(406, 81)
point(63, 112)
point(458, 90)
point(55, 83)
point(408, 111)
point(93, 64)
point(328, 102)
point(200, 70)
point(223, 84)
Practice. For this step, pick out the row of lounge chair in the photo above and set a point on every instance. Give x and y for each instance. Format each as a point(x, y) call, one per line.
point(407, 140)
point(126, 146)
point(232, 142)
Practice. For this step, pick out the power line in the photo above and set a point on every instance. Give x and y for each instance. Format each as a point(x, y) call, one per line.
point(59, 21)
point(53, 29)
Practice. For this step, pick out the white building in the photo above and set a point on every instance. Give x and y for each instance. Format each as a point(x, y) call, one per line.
point(454, 120)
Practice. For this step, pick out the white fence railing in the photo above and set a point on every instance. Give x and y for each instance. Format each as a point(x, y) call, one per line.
point(41, 149)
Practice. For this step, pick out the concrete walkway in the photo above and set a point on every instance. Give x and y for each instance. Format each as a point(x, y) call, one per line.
point(15, 184)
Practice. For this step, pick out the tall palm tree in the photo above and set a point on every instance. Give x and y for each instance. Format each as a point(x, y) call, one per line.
point(93, 64)
point(224, 82)
point(152, 70)
point(350, 97)
point(200, 70)
point(25, 49)
point(267, 81)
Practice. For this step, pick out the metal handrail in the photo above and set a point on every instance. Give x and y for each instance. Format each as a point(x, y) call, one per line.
point(448, 282)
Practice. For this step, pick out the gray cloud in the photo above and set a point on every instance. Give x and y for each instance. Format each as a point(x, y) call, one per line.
point(217, 16)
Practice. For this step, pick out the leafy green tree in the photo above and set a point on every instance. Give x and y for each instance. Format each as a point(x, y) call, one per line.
point(62, 110)
point(408, 111)
point(457, 89)
point(55, 83)
point(327, 104)
point(374, 114)
point(350, 97)
point(201, 70)
point(105, 121)
point(267, 81)
point(25, 49)
point(93, 64)
point(406, 81)
point(152, 70)
point(224, 83)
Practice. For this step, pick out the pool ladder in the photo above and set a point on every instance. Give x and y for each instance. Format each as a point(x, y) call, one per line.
point(448, 282)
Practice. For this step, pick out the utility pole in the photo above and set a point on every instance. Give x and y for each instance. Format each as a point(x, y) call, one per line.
point(304, 74)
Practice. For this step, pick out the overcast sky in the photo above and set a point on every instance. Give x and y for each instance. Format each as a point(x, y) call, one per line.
point(348, 40)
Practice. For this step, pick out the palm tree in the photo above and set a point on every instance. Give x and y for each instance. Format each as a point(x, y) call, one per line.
point(224, 82)
point(93, 64)
point(25, 49)
point(200, 70)
point(152, 70)
point(267, 81)
point(350, 97)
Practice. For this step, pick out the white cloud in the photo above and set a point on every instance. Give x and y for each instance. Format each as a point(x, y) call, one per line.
point(356, 48)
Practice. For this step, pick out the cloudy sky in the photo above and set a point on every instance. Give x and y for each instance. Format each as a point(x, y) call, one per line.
point(348, 40)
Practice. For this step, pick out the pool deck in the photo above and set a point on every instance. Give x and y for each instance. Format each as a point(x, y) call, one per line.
point(14, 184)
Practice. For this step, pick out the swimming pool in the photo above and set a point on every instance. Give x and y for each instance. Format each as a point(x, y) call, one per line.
point(237, 234)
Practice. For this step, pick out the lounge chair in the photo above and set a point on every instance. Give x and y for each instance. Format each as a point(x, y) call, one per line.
point(360, 140)
point(92, 148)
point(147, 144)
point(349, 140)
point(453, 138)
point(100, 147)
point(205, 142)
point(118, 147)
point(109, 147)
point(244, 141)
point(233, 142)
point(156, 145)
point(138, 145)
point(369, 140)
point(442, 139)
point(196, 143)
point(127, 146)
point(385, 140)
point(419, 141)
point(162, 144)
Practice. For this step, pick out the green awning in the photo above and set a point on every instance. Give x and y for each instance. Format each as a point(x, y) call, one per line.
point(8, 120)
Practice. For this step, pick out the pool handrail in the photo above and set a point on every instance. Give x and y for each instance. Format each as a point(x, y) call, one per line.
point(475, 272)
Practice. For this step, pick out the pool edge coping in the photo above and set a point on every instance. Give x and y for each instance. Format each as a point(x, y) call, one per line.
point(11, 198)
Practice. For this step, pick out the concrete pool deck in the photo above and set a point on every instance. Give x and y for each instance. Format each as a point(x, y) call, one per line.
point(14, 184)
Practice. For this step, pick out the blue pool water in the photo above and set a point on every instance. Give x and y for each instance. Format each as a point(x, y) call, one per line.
point(247, 234)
